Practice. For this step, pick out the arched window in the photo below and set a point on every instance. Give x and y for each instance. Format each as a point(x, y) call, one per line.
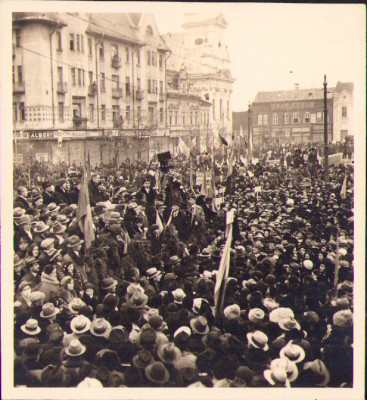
point(149, 31)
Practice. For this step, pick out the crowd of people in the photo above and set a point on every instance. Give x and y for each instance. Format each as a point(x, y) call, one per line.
point(137, 309)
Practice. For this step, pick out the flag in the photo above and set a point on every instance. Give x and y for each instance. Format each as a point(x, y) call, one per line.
point(222, 139)
point(343, 192)
point(127, 241)
point(230, 162)
point(184, 149)
point(222, 275)
point(158, 222)
point(84, 214)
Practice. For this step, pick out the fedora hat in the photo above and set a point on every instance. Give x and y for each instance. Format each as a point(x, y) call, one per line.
point(157, 373)
point(31, 327)
point(100, 327)
point(279, 313)
point(47, 243)
point(80, 324)
point(319, 370)
point(186, 376)
point(153, 273)
point(49, 310)
point(258, 340)
point(74, 240)
point(289, 323)
point(58, 228)
point(233, 311)
point(62, 219)
point(40, 227)
point(143, 358)
point(75, 305)
point(25, 219)
point(276, 375)
point(293, 352)
point(138, 300)
point(243, 377)
point(18, 212)
point(134, 287)
point(75, 348)
point(108, 283)
point(256, 315)
point(55, 253)
point(157, 322)
point(37, 296)
point(199, 325)
point(90, 383)
point(178, 295)
point(149, 313)
point(52, 207)
point(147, 337)
point(17, 260)
point(23, 285)
point(169, 353)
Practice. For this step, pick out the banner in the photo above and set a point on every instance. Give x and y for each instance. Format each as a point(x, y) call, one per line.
point(84, 214)
point(184, 149)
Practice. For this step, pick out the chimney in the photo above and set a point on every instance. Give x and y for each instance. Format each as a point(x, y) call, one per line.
point(296, 86)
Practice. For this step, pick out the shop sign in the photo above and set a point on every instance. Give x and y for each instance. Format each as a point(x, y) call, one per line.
point(301, 130)
point(41, 135)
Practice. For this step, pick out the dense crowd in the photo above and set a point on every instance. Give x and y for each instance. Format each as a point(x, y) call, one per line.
point(136, 308)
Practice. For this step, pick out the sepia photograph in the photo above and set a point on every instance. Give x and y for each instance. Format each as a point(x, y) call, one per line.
point(182, 200)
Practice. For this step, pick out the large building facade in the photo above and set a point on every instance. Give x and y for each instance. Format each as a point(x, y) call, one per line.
point(92, 83)
point(297, 116)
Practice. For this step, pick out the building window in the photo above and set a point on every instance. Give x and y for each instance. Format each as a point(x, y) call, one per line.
point(91, 112)
point(296, 118)
point(73, 79)
point(103, 82)
point(20, 74)
point(17, 37)
point(149, 86)
point(90, 51)
point(286, 118)
point(160, 61)
point(79, 77)
point(61, 112)
point(101, 51)
point(307, 117)
point(265, 119)
point(154, 56)
point(183, 118)
point(161, 115)
point(59, 75)
point(127, 85)
point(15, 112)
point(170, 120)
point(13, 71)
point(344, 112)
point(115, 82)
point(148, 58)
point(127, 114)
point(138, 113)
point(83, 76)
point(127, 54)
point(114, 50)
point(319, 117)
point(260, 119)
point(72, 44)
point(275, 119)
point(90, 77)
point(138, 57)
point(82, 43)
point(149, 31)
point(22, 111)
point(176, 117)
point(103, 112)
point(59, 41)
point(151, 114)
point(78, 43)
point(138, 83)
point(161, 87)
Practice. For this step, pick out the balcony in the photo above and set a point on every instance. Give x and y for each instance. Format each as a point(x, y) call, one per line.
point(62, 87)
point(18, 88)
point(80, 122)
point(117, 93)
point(92, 89)
point(116, 62)
point(139, 95)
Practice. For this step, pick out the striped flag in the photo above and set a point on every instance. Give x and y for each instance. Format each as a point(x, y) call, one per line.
point(184, 149)
point(158, 222)
point(84, 214)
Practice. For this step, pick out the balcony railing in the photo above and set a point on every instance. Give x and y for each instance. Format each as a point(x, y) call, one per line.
point(18, 88)
point(92, 90)
point(139, 95)
point(62, 87)
point(116, 62)
point(117, 93)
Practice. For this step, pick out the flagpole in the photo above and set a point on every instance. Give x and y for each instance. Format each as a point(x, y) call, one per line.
point(249, 150)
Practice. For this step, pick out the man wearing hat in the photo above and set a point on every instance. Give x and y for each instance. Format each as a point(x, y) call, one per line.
point(48, 193)
point(25, 230)
point(61, 194)
point(40, 231)
point(33, 275)
point(74, 254)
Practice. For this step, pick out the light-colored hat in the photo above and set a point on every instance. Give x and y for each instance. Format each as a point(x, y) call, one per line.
point(80, 324)
point(46, 243)
point(258, 339)
point(169, 353)
point(153, 273)
point(289, 323)
point(40, 227)
point(279, 313)
point(256, 315)
point(232, 312)
point(31, 327)
point(199, 325)
point(49, 310)
point(178, 295)
point(100, 327)
point(320, 370)
point(90, 383)
point(75, 348)
point(293, 352)
point(75, 305)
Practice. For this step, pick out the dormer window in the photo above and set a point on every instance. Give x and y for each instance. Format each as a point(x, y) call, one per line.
point(149, 31)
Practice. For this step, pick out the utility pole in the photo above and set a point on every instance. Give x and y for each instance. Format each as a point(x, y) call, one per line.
point(326, 147)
